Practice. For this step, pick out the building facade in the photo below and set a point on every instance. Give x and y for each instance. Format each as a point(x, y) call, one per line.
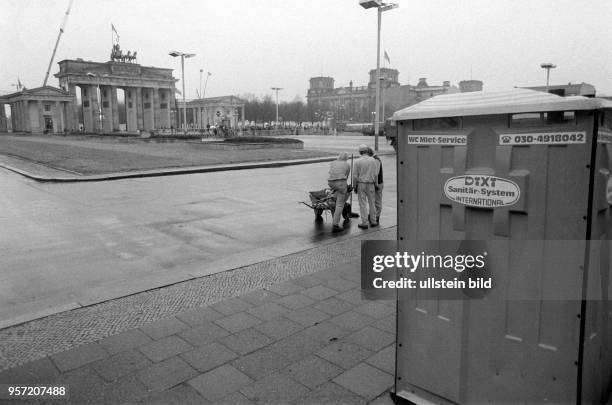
point(113, 97)
point(211, 111)
point(148, 95)
point(357, 103)
point(41, 110)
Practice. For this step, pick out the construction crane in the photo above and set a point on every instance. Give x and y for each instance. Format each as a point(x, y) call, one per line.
point(61, 31)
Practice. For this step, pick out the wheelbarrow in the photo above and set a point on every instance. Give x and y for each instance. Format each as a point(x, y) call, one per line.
point(325, 200)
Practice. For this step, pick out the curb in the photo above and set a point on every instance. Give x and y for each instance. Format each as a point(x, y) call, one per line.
point(164, 172)
point(171, 171)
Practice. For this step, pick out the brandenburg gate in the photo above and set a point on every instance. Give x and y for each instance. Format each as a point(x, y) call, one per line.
point(149, 94)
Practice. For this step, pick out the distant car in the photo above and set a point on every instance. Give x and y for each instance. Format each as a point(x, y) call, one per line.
point(366, 128)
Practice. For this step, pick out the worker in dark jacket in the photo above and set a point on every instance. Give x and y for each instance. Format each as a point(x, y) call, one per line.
point(366, 181)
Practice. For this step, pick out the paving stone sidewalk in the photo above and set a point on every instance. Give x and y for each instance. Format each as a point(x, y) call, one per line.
point(309, 340)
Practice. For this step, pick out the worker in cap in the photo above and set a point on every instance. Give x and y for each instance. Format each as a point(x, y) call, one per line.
point(365, 179)
point(339, 171)
point(379, 188)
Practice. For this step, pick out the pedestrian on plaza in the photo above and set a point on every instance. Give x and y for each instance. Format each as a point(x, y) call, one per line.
point(379, 189)
point(365, 179)
point(339, 171)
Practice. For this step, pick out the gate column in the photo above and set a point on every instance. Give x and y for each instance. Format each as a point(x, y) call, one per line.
point(58, 117)
point(139, 109)
point(165, 108)
point(20, 126)
point(14, 116)
point(156, 109)
point(72, 110)
point(41, 118)
point(3, 123)
point(107, 109)
point(114, 108)
point(95, 107)
point(27, 120)
point(148, 105)
point(130, 109)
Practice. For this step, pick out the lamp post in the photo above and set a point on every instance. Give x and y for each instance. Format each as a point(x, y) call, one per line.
point(547, 66)
point(183, 56)
point(200, 96)
point(277, 89)
point(208, 74)
point(381, 7)
point(204, 96)
point(99, 99)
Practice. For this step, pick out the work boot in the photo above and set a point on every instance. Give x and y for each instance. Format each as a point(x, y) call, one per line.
point(373, 224)
point(378, 219)
point(337, 228)
point(363, 226)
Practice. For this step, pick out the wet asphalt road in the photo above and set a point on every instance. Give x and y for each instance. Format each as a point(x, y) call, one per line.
point(67, 245)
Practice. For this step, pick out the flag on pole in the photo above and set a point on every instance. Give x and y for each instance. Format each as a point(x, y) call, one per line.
point(387, 58)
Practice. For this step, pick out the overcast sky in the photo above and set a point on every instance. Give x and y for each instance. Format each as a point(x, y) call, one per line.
point(252, 45)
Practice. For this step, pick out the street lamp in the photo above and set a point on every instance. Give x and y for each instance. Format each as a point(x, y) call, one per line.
point(547, 66)
point(382, 98)
point(277, 89)
point(183, 56)
point(200, 97)
point(99, 99)
point(204, 96)
point(380, 6)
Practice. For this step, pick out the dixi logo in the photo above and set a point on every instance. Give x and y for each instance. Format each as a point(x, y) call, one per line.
point(484, 181)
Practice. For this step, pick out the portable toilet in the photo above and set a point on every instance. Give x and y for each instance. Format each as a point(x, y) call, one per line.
point(543, 333)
